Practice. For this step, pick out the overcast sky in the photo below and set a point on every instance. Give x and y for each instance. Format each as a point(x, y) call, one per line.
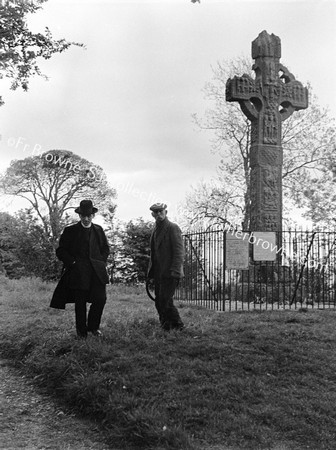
point(126, 101)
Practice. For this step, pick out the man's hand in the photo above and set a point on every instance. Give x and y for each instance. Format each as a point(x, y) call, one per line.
point(176, 275)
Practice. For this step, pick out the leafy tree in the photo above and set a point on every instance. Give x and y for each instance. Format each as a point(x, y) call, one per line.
point(308, 140)
point(19, 47)
point(9, 255)
point(113, 233)
point(54, 183)
point(133, 257)
point(24, 248)
point(318, 194)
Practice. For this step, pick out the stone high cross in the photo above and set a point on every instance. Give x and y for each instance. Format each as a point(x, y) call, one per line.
point(266, 101)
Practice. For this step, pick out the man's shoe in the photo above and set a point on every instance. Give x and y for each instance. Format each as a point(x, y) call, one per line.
point(97, 333)
point(166, 326)
point(81, 335)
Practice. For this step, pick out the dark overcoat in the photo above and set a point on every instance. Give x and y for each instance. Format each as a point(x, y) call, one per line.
point(75, 269)
point(167, 251)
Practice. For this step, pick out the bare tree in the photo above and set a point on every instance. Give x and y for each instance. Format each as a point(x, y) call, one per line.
point(308, 140)
point(318, 193)
point(209, 202)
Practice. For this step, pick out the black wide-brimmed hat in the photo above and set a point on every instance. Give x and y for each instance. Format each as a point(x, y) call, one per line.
point(86, 208)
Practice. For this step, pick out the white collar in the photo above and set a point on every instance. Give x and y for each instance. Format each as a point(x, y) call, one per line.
point(89, 226)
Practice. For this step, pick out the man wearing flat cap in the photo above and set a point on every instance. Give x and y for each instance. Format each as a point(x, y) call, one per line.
point(166, 266)
point(83, 249)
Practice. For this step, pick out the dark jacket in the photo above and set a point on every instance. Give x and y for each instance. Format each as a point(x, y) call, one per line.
point(76, 269)
point(167, 251)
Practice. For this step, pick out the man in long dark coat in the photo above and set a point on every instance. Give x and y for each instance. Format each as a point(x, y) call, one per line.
point(83, 249)
point(166, 266)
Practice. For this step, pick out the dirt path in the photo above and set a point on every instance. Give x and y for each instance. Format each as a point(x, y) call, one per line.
point(31, 421)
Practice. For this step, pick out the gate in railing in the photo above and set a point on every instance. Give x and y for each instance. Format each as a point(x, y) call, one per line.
point(302, 276)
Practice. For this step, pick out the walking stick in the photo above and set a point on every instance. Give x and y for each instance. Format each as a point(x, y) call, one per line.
point(150, 290)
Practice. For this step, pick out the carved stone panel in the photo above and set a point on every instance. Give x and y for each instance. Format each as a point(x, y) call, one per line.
point(271, 222)
point(254, 183)
point(266, 155)
point(271, 127)
point(270, 188)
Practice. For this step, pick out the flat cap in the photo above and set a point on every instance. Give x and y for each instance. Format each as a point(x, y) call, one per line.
point(158, 207)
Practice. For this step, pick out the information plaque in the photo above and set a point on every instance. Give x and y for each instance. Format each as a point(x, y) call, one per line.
point(237, 251)
point(264, 245)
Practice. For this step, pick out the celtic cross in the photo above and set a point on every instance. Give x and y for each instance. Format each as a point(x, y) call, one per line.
point(267, 101)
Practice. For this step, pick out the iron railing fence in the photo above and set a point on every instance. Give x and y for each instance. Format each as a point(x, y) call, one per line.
point(303, 274)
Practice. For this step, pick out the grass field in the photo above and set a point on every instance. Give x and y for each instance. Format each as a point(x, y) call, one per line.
point(252, 380)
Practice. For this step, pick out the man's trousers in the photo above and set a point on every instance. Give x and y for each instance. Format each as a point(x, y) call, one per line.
point(96, 295)
point(168, 314)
